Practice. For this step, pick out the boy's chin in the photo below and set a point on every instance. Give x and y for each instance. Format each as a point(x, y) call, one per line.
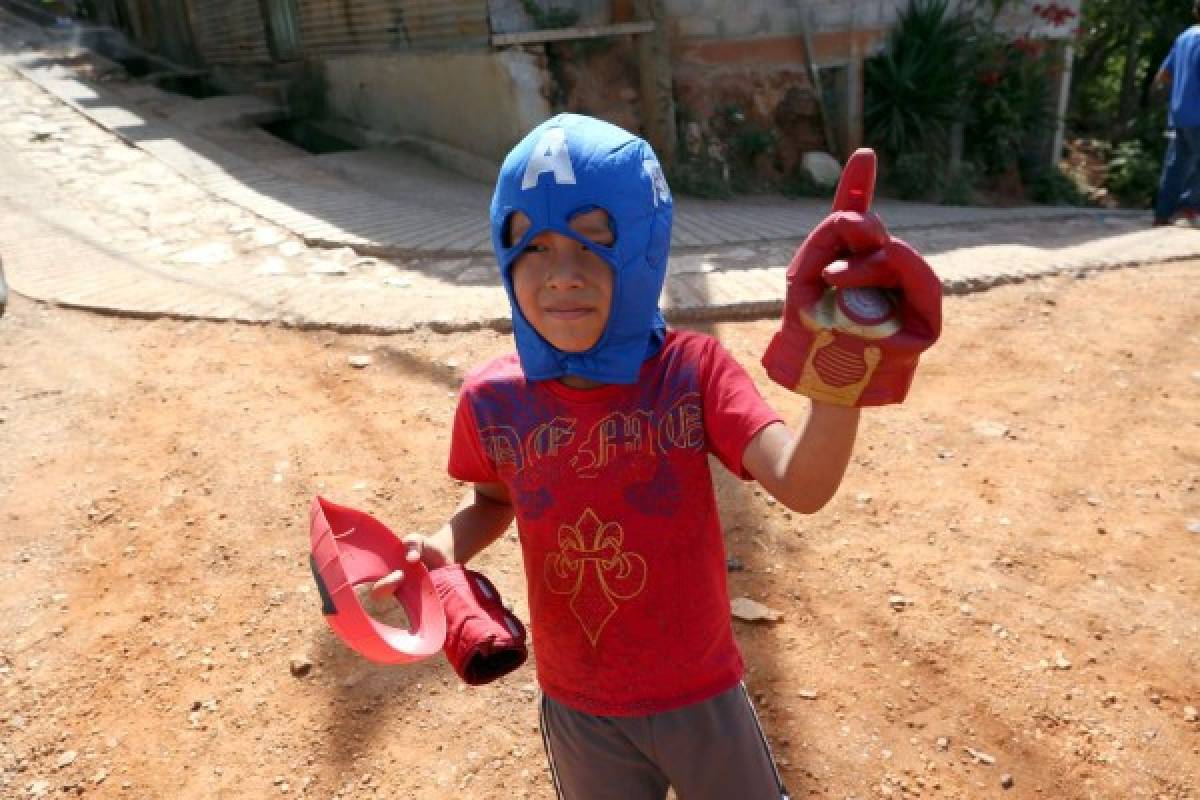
point(574, 346)
point(568, 342)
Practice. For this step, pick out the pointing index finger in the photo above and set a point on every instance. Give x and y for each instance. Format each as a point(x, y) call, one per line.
point(856, 188)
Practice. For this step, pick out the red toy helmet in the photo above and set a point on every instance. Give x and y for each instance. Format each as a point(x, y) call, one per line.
point(351, 548)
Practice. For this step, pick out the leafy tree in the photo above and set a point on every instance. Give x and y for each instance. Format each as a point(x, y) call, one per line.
point(1121, 45)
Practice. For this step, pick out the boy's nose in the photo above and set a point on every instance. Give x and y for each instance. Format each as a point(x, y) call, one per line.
point(565, 269)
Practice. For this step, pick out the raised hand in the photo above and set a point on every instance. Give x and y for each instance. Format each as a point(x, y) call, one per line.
point(860, 307)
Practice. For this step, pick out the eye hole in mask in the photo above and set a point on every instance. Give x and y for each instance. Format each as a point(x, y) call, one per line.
point(592, 223)
point(515, 226)
point(595, 225)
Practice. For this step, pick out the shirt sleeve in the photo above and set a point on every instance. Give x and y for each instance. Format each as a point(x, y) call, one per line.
point(734, 410)
point(468, 461)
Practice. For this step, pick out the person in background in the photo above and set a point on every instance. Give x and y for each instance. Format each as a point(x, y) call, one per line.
point(1179, 187)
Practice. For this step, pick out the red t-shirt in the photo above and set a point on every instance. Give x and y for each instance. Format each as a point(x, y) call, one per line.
point(624, 557)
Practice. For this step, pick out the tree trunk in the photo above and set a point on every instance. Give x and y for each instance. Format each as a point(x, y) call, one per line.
point(1129, 89)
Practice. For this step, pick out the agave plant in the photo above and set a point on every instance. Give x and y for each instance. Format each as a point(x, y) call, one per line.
point(914, 88)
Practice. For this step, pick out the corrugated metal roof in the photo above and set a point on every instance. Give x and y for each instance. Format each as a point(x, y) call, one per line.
point(338, 27)
point(229, 31)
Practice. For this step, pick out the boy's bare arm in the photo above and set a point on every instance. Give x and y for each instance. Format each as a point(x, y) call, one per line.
point(804, 471)
point(484, 513)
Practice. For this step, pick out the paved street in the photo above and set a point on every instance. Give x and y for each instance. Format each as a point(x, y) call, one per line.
point(119, 197)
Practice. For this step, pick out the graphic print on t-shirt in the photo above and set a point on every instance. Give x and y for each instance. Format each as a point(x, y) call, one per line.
point(628, 448)
point(592, 566)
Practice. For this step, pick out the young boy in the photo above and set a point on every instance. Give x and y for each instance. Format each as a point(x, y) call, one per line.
point(595, 436)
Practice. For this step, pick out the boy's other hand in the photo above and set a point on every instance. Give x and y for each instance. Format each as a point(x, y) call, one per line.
point(417, 547)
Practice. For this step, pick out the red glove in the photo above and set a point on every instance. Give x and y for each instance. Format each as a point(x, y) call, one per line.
point(860, 308)
point(484, 640)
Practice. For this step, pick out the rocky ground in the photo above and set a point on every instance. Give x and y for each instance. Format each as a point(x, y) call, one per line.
point(1001, 602)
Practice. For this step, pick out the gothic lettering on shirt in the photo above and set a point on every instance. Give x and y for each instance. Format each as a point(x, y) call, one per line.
point(616, 438)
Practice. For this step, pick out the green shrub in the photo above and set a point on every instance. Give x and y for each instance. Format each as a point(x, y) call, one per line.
point(699, 179)
point(959, 185)
point(1007, 102)
point(913, 89)
point(928, 178)
point(1054, 187)
point(800, 184)
point(1133, 175)
point(916, 176)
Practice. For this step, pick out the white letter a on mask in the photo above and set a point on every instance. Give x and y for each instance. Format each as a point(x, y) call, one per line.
point(549, 155)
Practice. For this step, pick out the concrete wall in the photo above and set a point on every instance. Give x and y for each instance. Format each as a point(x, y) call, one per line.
point(768, 19)
point(469, 106)
point(751, 55)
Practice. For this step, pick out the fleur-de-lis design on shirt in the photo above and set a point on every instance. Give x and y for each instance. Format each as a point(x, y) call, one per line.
point(593, 567)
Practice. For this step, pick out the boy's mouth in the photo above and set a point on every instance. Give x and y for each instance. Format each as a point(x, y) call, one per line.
point(568, 312)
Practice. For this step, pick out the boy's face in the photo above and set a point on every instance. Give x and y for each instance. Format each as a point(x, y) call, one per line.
point(562, 287)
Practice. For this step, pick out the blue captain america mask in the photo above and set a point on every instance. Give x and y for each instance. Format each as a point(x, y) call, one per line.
point(572, 164)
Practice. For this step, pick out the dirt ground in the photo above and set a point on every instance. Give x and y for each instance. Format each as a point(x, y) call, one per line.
point(1004, 593)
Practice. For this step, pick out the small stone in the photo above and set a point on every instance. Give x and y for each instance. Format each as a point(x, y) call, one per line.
point(205, 255)
point(823, 168)
point(1191, 714)
point(980, 756)
point(748, 610)
point(1061, 662)
point(1006, 781)
point(39, 788)
point(359, 361)
point(899, 602)
point(808, 694)
point(1194, 526)
point(66, 759)
point(734, 564)
point(989, 429)
point(100, 777)
point(942, 743)
point(300, 665)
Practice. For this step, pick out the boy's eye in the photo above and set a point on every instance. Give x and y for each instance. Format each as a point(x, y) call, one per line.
point(594, 225)
point(514, 228)
point(604, 237)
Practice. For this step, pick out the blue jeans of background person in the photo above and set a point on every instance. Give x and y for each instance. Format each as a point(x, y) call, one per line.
point(1179, 186)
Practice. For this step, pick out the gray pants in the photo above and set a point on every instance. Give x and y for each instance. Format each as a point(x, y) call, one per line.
point(714, 750)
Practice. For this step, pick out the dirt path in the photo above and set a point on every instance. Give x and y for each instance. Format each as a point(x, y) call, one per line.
point(1007, 574)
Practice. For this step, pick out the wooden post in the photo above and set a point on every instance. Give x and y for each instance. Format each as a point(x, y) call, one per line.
point(854, 96)
point(654, 64)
